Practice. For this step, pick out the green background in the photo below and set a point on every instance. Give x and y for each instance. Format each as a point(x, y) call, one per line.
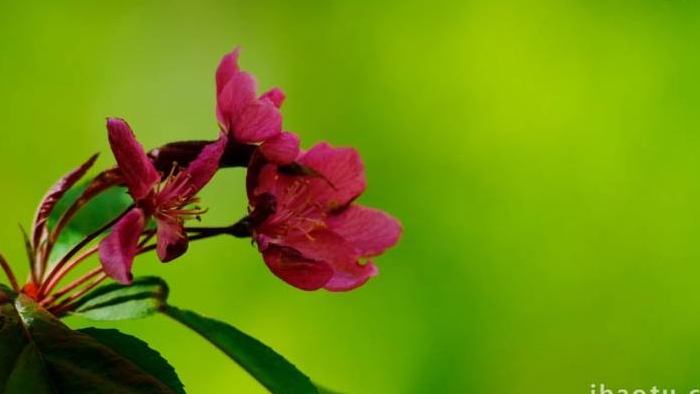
point(542, 156)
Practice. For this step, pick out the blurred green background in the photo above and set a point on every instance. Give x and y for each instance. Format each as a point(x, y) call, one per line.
point(542, 155)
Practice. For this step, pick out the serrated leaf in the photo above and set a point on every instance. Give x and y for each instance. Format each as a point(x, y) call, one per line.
point(40, 355)
point(145, 296)
point(268, 367)
point(138, 352)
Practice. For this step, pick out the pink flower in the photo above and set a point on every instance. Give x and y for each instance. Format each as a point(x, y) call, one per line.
point(310, 233)
point(167, 203)
point(250, 119)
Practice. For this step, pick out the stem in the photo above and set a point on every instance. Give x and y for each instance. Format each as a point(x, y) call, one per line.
point(148, 235)
point(236, 154)
point(8, 272)
point(146, 249)
point(72, 286)
point(31, 256)
point(200, 233)
point(240, 229)
point(51, 282)
point(99, 184)
point(57, 272)
point(55, 278)
point(67, 305)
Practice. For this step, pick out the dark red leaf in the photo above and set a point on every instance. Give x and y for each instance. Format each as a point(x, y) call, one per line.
point(48, 203)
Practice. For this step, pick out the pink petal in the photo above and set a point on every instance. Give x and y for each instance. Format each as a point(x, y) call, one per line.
point(203, 168)
point(342, 170)
point(276, 95)
point(294, 269)
point(235, 97)
point(351, 277)
point(257, 164)
point(322, 245)
point(281, 149)
point(139, 173)
point(371, 231)
point(172, 239)
point(118, 249)
point(227, 68)
point(268, 189)
point(258, 122)
point(326, 246)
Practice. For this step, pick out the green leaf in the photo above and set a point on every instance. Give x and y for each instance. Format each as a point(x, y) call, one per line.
point(323, 390)
point(270, 369)
point(145, 296)
point(99, 211)
point(11, 336)
point(29, 374)
point(40, 355)
point(138, 352)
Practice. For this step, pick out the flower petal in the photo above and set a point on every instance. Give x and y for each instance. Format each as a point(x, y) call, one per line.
point(343, 175)
point(276, 95)
point(139, 173)
point(351, 276)
point(329, 247)
point(371, 231)
point(227, 68)
point(172, 239)
point(281, 149)
point(259, 121)
point(321, 245)
point(118, 249)
point(234, 98)
point(294, 269)
point(256, 165)
point(203, 168)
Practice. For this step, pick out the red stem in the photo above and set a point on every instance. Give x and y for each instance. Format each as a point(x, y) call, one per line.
point(54, 279)
point(8, 272)
point(72, 286)
point(101, 183)
point(57, 271)
point(53, 282)
point(66, 264)
point(67, 304)
point(148, 235)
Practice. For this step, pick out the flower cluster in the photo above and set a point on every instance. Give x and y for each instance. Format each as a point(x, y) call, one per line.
point(302, 214)
point(307, 227)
